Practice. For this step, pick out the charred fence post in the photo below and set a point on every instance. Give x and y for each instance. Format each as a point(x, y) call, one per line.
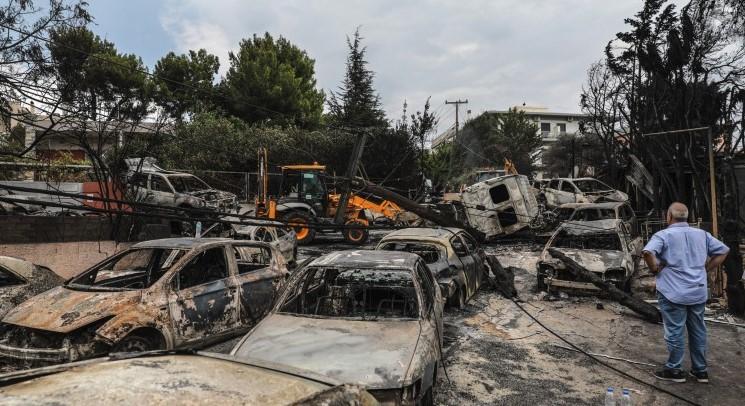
point(646, 310)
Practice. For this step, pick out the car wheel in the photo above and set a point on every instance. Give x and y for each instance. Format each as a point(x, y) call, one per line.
point(428, 398)
point(356, 236)
point(303, 234)
point(136, 343)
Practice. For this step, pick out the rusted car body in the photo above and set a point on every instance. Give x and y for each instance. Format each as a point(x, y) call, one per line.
point(500, 206)
point(284, 240)
point(372, 318)
point(453, 256)
point(161, 294)
point(580, 190)
point(146, 379)
point(21, 280)
point(604, 247)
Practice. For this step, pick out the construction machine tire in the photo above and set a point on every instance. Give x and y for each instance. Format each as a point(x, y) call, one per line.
point(356, 236)
point(304, 234)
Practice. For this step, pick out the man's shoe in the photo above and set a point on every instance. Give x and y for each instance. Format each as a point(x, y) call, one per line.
point(670, 375)
point(701, 377)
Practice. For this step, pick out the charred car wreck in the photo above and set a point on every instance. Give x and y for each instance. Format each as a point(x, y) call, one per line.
point(453, 256)
point(21, 280)
point(500, 206)
point(156, 378)
point(372, 318)
point(161, 294)
point(604, 247)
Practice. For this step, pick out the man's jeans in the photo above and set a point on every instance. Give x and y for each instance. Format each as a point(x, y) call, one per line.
point(675, 318)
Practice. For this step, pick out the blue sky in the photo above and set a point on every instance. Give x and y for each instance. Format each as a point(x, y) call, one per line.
point(495, 53)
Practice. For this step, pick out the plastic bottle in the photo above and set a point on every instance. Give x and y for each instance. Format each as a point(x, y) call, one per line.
point(625, 398)
point(610, 397)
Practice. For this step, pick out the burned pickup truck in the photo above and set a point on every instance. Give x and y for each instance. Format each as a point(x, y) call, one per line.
point(604, 247)
point(161, 294)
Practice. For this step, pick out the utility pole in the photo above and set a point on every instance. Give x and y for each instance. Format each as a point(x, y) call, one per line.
point(457, 125)
point(457, 112)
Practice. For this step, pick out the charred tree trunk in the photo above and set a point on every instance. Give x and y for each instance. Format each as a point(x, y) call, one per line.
point(646, 310)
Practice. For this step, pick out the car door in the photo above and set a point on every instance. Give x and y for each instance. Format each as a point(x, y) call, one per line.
point(552, 193)
point(431, 322)
point(256, 280)
point(478, 262)
point(467, 262)
point(161, 190)
point(203, 301)
point(567, 193)
point(286, 241)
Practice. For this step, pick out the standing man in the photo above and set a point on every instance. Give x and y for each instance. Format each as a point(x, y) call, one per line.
point(680, 256)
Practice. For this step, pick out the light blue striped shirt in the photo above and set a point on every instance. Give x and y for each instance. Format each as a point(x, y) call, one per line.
point(684, 251)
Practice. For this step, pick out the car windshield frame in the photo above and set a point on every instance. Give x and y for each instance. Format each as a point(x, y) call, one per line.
point(441, 248)
point(172, 258)
point(303, 277)
point(181, 185)
point(562, 234)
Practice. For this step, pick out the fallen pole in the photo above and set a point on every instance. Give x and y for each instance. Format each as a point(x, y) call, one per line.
point(646, 310)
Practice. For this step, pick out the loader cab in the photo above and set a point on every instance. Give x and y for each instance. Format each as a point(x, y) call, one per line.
point(305, 183)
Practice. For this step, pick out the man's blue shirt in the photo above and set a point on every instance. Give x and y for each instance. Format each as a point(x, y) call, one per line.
point(684, 251)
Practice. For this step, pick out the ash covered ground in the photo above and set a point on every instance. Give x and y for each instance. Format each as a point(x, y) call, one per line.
point(497, 354)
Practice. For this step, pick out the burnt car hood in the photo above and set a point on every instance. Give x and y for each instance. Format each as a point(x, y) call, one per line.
point(212, 194)
point(63, 310)
point(595, 260)
point(375, 354)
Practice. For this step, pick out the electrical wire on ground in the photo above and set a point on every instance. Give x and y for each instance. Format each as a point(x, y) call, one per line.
point(605, 364)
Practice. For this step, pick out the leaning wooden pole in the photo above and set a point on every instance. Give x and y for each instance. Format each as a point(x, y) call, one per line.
point(646, 310)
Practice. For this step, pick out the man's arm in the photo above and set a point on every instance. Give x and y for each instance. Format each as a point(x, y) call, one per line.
point(715, 261)
point(651, 261)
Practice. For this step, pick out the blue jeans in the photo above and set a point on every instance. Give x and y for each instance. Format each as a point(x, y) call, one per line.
point(675, 318)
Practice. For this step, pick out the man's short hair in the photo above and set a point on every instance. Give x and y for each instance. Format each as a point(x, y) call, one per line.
point(678, 211)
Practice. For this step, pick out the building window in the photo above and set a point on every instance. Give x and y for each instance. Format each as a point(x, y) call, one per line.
point(545, 129)
point(561, 128)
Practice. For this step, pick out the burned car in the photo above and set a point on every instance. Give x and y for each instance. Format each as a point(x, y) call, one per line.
point(149, 183)
point(21, 280)
point(500, 206)
point(159, 378)
point(282, 238)
point(453, 256)
point(580, 190)
point(598, 211)
point(604, 247)
point(372, 318)
point(160, 294)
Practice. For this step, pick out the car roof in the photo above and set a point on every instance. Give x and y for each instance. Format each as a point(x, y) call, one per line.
point(181, 242)
point(438, 233)
point(207, 376)
point(18, 265)
point(367, 259)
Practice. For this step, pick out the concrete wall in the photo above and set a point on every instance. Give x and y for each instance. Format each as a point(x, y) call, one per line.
point(65, 258)
point(46, 229)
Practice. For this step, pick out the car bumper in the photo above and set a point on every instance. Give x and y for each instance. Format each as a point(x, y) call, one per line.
point(558, 283)
point(54, 355)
